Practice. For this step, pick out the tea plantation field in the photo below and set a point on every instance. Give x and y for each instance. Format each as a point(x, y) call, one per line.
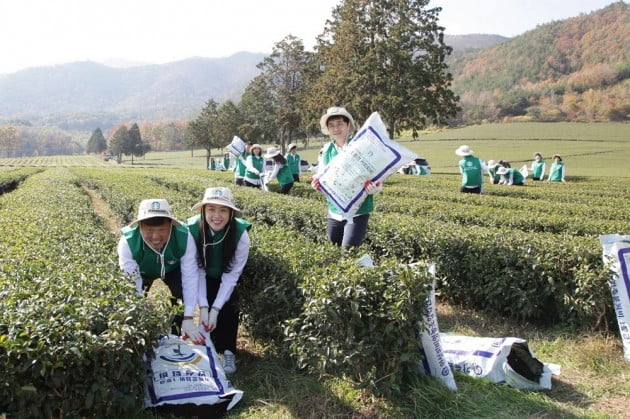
point(321, 337)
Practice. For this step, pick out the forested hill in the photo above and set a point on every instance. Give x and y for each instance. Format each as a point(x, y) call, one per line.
point(574, 69)
point(85, 95)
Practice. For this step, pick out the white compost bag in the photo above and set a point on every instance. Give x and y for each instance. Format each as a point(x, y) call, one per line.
point(185, 378)
point(236, 147)
point(500, 360)
point(371, 155)
point(617, 254)
point(435, 363)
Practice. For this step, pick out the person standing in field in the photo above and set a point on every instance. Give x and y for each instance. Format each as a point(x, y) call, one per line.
point(293, 159)
point(213, 164)
point(281, 169)
point(471, 169)
point(538, 167)
point(156, 245)
point(226, 161)
point(556, 172)
point(510, 176)
point(339, 124)
point(254, 165)
point(240, 168)
point(222, 243)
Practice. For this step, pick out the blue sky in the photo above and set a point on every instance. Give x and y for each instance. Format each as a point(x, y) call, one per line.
point(49, 32)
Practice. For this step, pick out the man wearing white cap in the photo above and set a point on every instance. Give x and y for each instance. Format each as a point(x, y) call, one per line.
point(293, 159)
point(339, 124)
point(222, 241)
point(471, 169)
point(156, 245)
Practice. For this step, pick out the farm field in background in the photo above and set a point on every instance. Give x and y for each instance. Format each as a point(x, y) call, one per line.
point(588, 149)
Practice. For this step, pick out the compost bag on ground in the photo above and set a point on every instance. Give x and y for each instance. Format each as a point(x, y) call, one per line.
point(501, 360)
point(371, 155)
point(185, 379)
point(617, 254)
point(434, 362)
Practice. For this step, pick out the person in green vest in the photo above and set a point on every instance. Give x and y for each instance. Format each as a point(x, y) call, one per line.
point(556, 172)
point(156, 245)
point(254, 166)
point(222, 243)
point(226, 161)
point(471, 169)
point(281, 169)
point(423, 166)
point(510, 176)
point(240, 168)
point(538, 167)
point(492, 168)
point(293, 159)
point(213, 164)
point(339, 124)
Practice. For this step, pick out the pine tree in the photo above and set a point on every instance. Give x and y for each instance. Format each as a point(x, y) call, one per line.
point(387, 56)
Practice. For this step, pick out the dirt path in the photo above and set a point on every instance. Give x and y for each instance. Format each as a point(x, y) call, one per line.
point(102, 210)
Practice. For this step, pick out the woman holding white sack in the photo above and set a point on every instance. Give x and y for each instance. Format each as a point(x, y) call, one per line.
point(254, 165)
point(339, 124)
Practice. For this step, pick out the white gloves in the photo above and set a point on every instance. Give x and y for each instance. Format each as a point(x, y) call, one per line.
point(256, 172)
point(373, 188)
point(208, 319)
point(189, 330)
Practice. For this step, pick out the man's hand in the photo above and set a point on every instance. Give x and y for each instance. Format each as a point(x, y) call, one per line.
point(372, 188)
point(315, 184)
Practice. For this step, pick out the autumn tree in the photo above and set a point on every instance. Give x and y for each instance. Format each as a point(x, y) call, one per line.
point(117, 142)
point(9, 140)
point(387, 56)
point(97, 142)
point(282, 72)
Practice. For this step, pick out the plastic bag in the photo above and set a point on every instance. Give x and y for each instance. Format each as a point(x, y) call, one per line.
point(188, 379)
point(435, 363)
point(617, 253)
point(371, 155)
point(500, 360)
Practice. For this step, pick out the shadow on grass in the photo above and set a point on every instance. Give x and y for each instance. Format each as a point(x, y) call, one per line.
point(273, 387)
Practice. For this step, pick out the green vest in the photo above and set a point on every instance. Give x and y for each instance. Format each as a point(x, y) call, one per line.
point(285, 176)
point(494, 175)
point(258, 162)
point(240, 164)
point(538, 168)
point(471, 171)
point(556, 171)
point(148, 260)
point(328, 153)
point(517, 177)
point(226, 163)
point(213, 262)
point(294, 162)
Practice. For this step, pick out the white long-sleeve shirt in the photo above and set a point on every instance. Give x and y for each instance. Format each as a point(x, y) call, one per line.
point(228, 279)
point(187, 263)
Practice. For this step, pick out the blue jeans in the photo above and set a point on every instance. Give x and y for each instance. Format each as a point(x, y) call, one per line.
point(348, 235)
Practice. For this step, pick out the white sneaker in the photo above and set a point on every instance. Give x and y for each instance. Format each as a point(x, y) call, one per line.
point(229, 362)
